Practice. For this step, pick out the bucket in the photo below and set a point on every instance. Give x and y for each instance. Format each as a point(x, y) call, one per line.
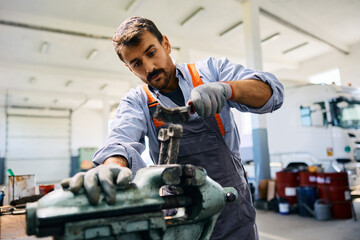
point(322, 210)
point(284, 208)
point(286, 183)
point(335, 188)
point(45, 189)
point(306, 196)
point(21, 186)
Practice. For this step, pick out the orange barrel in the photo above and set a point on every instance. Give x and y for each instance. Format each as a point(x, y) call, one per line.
point(286, 183)
point(335, 188)
point(307, 179)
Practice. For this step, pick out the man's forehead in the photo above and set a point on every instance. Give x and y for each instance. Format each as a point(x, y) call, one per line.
point(147, 40)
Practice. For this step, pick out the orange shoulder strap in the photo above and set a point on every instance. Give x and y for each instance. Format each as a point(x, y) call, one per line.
point(196, 80)
point(194, 75)
point(152, 103)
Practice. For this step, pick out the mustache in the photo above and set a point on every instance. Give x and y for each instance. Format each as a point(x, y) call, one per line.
point(154, 73)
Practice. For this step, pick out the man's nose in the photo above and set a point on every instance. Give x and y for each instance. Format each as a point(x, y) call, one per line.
point(149, 67)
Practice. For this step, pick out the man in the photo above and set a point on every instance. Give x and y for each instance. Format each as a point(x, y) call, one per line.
point(210, 139)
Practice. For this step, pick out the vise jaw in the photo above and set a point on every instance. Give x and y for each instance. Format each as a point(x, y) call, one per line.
point(138, 210)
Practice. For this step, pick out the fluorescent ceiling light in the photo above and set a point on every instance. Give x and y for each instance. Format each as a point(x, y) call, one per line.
point(44, 47)
point(92, 54)
point(103, 86)
point(230, 29)
point(68, 83)
point(270, 38)
point(32, 80)
point(192, 16)
point(294, 48)
point(133, 5)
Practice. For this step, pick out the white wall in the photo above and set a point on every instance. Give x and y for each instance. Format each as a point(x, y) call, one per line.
point(87, 127)
point(2, 132)
point(348, 65)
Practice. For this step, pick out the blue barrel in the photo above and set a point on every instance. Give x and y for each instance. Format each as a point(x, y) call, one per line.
point(306, 197)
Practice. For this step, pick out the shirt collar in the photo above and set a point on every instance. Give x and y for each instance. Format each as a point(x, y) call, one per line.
point(180, 71)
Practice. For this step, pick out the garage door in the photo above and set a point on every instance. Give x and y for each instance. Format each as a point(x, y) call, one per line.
point(39, 145)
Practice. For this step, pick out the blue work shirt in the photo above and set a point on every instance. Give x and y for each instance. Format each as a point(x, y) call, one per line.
point(133, 121)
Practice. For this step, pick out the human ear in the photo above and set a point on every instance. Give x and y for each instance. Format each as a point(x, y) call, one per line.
point(166, 44)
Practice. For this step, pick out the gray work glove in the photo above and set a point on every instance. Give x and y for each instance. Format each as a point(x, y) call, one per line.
point(107, 176)
point(210, 98)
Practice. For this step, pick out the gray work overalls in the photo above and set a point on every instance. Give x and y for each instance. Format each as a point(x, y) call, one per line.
point(202, 144)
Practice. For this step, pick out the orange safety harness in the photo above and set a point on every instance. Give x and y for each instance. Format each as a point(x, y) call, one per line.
point(196, 80)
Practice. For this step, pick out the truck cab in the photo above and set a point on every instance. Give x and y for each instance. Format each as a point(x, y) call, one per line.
point(317, 125)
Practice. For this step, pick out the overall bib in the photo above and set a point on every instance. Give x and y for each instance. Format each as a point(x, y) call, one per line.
point(202, 144)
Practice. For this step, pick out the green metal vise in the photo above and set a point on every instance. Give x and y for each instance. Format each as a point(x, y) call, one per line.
point(138, 211)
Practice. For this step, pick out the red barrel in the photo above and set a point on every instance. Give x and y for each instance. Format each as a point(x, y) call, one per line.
point(307, 179)
point(286, 183)
point(335, 188)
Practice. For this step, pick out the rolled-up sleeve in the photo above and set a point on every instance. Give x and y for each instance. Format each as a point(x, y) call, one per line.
point(223, 70)
point(128, 129)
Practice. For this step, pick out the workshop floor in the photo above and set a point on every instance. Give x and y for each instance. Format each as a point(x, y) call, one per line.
point(273, 226)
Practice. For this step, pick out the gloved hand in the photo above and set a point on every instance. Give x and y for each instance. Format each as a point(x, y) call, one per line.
point(107, 175)
point(210, 98)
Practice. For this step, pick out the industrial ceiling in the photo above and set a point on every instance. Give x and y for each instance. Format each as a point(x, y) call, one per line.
point(59, 54)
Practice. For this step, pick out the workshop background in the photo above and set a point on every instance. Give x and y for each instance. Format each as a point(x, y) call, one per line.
point(61, 81)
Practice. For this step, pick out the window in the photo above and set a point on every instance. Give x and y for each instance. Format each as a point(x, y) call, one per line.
point(314, 115)
point(328, 77)
point(305, 114)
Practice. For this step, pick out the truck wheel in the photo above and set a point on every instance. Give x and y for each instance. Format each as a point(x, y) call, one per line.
point(297, 166)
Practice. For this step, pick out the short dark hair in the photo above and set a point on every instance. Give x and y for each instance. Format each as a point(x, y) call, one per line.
point(130, 31)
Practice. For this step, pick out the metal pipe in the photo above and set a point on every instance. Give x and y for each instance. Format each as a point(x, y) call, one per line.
point(164, 145)
point(301, 30)
point(54, 30)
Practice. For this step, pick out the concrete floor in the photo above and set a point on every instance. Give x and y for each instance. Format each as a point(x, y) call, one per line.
point(273, 226)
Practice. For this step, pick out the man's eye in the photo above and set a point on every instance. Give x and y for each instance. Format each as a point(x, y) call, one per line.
point(152, 53)
point(136, 64)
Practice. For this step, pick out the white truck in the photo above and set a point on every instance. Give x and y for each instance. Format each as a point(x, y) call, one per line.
point(317, 125)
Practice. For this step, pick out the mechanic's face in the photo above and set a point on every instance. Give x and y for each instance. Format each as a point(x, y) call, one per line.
point(151, 62)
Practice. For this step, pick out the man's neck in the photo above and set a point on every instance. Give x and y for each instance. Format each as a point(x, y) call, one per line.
point(173, 84)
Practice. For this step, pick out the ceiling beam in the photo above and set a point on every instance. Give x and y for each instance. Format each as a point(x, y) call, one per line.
point(295, 22)
point(77, 99)
point(53, 30)
point(56, 94)
point(65, 72)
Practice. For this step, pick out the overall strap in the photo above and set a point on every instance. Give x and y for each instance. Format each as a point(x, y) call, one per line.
point(196, 82)
point(152, 104)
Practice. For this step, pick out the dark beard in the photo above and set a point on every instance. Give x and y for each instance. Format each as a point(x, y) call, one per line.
point(166, 82)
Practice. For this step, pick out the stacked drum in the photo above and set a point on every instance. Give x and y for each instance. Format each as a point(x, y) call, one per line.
point(335, 188)
point(306, 193)
point(303, 188)
point(286, 183)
